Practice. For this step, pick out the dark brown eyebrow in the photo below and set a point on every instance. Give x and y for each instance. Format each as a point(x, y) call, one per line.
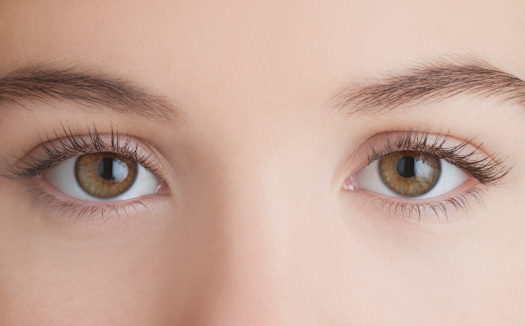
point(44, 84)
point(432, 83)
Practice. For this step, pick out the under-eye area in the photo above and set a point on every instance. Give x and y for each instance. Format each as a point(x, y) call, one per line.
point(418, 174)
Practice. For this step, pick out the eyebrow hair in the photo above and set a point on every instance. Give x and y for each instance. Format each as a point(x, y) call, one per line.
point(40, 83)
point(432, 83)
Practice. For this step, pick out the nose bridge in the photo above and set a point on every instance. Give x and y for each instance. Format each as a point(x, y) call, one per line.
point(260, 275)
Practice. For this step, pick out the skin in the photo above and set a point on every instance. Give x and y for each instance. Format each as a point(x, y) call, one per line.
point(256, 228)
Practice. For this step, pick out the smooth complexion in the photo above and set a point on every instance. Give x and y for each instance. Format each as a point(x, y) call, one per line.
point(254, 225)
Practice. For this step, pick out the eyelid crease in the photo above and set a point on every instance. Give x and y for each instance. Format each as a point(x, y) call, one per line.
point(488, 169)
point(76, 142)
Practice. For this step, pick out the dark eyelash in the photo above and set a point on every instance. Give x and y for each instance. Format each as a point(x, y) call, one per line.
point(73, 143)
point(487, 170)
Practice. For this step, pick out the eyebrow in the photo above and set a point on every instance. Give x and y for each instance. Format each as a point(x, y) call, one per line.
point(43, 84)
point(431, 83)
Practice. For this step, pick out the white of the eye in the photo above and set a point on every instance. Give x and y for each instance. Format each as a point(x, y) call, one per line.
point(62, 177)
point(451, 177)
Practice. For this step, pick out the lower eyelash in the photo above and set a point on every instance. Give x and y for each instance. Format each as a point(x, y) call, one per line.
point(54, 206)
point(416, 211)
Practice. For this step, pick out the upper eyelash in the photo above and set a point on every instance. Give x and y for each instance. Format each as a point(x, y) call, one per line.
point(73, 143)
point(487, 170)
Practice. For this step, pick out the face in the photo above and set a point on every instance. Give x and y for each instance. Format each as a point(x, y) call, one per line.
point(300, 163)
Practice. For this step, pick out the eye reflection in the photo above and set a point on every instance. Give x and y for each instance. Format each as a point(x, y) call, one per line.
point(409, 173)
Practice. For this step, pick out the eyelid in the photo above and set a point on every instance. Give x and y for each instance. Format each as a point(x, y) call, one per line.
point(483, 169)
point(63, 210)
point(469, 157)
point(51, 152)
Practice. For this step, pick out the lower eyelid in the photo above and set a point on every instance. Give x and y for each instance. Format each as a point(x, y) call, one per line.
point(64, 209)
point(446, 209)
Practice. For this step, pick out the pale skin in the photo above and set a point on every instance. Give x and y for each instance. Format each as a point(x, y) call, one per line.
point(254, 225)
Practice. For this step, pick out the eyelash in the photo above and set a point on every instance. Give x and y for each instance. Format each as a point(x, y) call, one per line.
point(72, 144)
point(488, 170)
point(75, 143)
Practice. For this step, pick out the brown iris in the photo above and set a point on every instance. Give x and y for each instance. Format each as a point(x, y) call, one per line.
point(105, 175)
point(410, 173)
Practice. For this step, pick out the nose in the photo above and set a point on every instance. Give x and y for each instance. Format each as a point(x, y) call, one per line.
point(259, 232)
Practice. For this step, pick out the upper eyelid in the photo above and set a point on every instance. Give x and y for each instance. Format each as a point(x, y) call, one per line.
point(52, 152)
point(488, 169)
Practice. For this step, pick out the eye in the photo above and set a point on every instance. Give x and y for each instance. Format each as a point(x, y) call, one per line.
point(102, 177)
point(410, 174)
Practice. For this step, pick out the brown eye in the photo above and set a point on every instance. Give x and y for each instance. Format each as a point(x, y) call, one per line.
point(105, 175)
point(409, 173)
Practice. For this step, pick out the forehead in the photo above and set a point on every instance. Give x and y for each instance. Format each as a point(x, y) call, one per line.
point(184, 47)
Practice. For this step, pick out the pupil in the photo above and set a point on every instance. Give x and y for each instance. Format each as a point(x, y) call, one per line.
point(105, 168)
point(406, 166)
